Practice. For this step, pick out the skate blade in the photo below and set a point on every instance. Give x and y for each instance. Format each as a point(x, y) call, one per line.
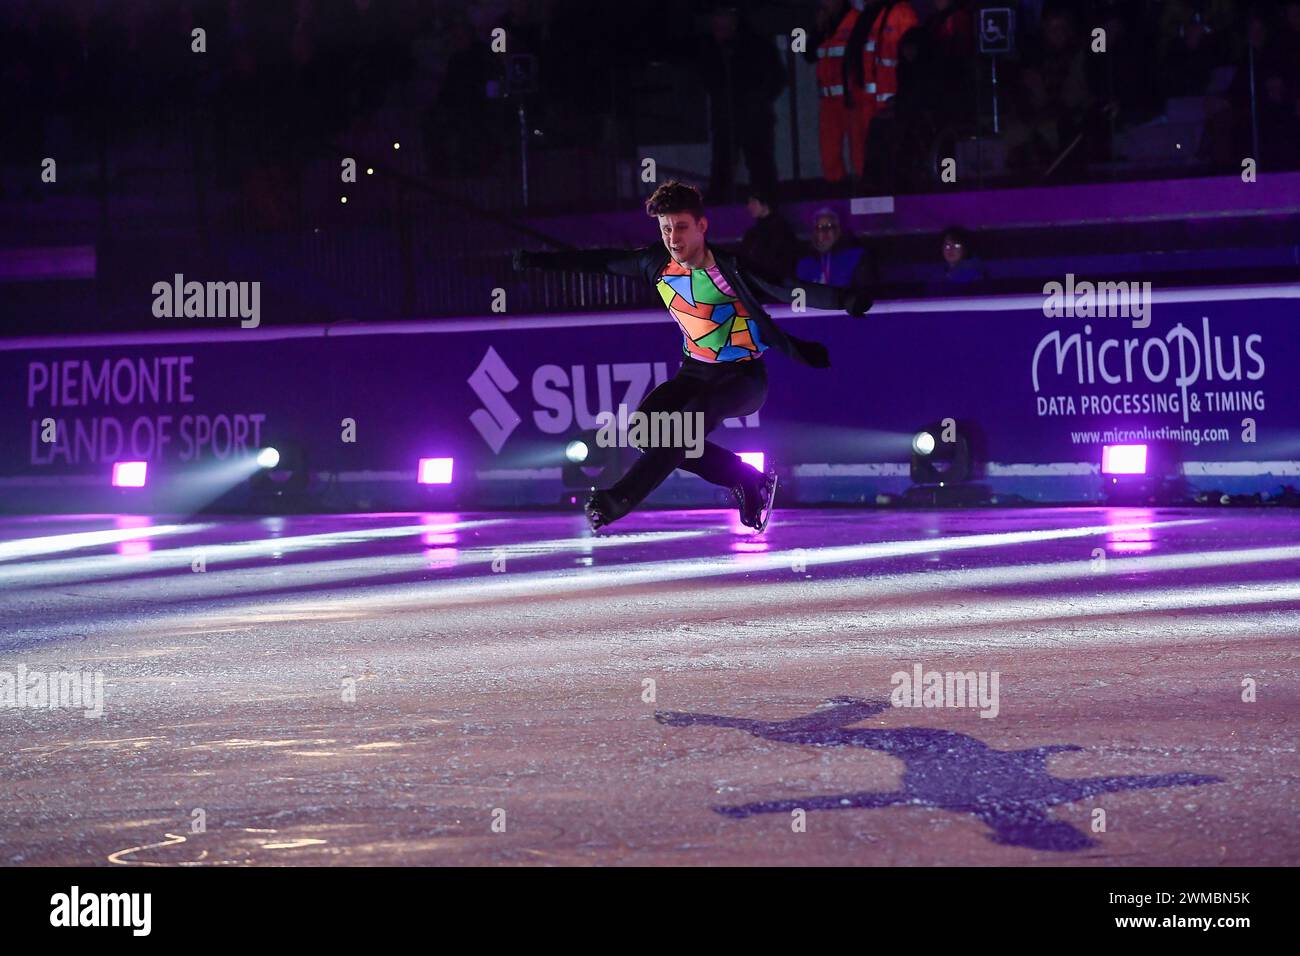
point(767, 511)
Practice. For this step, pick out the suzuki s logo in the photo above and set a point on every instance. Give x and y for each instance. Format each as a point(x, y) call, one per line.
point(565, 397)
point(496, 419)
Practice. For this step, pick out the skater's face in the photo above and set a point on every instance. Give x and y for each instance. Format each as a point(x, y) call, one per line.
point(683, 235)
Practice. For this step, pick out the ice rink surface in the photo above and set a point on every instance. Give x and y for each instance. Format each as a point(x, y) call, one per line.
point(508, 689)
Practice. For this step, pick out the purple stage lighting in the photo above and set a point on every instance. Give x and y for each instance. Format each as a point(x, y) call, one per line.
point(129, 474)
point(1123, 459)
point(754, 458)
point(435, 471)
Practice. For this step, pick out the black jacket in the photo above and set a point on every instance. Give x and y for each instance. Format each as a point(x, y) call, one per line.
point(742, 275)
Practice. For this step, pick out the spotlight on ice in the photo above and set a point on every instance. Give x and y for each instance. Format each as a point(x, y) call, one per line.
point(268, 458)
point(576, 451)
point(754, 458)
point(129, 474)
point(435, 471)
point(923, 443)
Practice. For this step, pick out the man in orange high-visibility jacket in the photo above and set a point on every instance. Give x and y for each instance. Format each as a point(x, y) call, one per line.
point(881, 64)
point(840, 108)
point(878, 35)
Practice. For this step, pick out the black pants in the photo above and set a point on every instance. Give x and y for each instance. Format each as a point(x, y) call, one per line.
point(718, 391)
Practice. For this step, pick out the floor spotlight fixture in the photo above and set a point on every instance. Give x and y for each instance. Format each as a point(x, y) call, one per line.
point(947, 457)
point(576, 451)
point(1141, 474)
point(942, 454)
point(434, 471)
point(586, 461)
point(130, 474)
point(281, 478)
point(1123, 460)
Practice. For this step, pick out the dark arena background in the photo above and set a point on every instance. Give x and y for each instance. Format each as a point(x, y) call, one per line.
point(329, 535)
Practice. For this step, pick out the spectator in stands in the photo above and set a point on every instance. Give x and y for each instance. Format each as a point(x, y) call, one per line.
point(770, 242)
point(837, 258)
point(743, 75)
point(1229, 137)
point(962, 269)
point(1291, 30)
point(904, 139)
point(380, 56)
point(1194, 39)
point(84, 51)
point(1215, 18)
point(26, 97)
point(839, 99)
point(1290, 56)
point(1279, 102)
point(457, 140)
point(935, 74)
point(1052, 97)
point(526, 28)
point(878, 36)
point(1125, 79)
point(589, 41)
point(950, 41)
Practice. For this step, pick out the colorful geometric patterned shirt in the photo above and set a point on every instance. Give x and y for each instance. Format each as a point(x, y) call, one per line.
point(715, 326)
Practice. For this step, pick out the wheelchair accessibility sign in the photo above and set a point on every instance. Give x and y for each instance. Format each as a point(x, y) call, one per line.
point(997, 29)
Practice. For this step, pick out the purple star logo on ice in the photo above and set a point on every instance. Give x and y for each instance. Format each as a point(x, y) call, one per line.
point(490, 381)
point(1010, 791)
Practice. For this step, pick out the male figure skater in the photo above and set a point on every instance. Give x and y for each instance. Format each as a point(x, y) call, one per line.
point(710, 293)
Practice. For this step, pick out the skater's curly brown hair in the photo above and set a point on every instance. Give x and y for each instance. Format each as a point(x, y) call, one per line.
point(674, 196)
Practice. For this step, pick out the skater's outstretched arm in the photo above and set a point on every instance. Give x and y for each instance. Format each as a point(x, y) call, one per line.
point(619, 262)
point(829, 297)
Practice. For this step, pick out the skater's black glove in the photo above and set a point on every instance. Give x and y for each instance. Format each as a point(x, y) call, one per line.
point(857, 303)
point(521, 260)
point(814, 353)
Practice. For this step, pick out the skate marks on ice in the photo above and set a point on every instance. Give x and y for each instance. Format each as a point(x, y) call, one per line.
point(1010, 791)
